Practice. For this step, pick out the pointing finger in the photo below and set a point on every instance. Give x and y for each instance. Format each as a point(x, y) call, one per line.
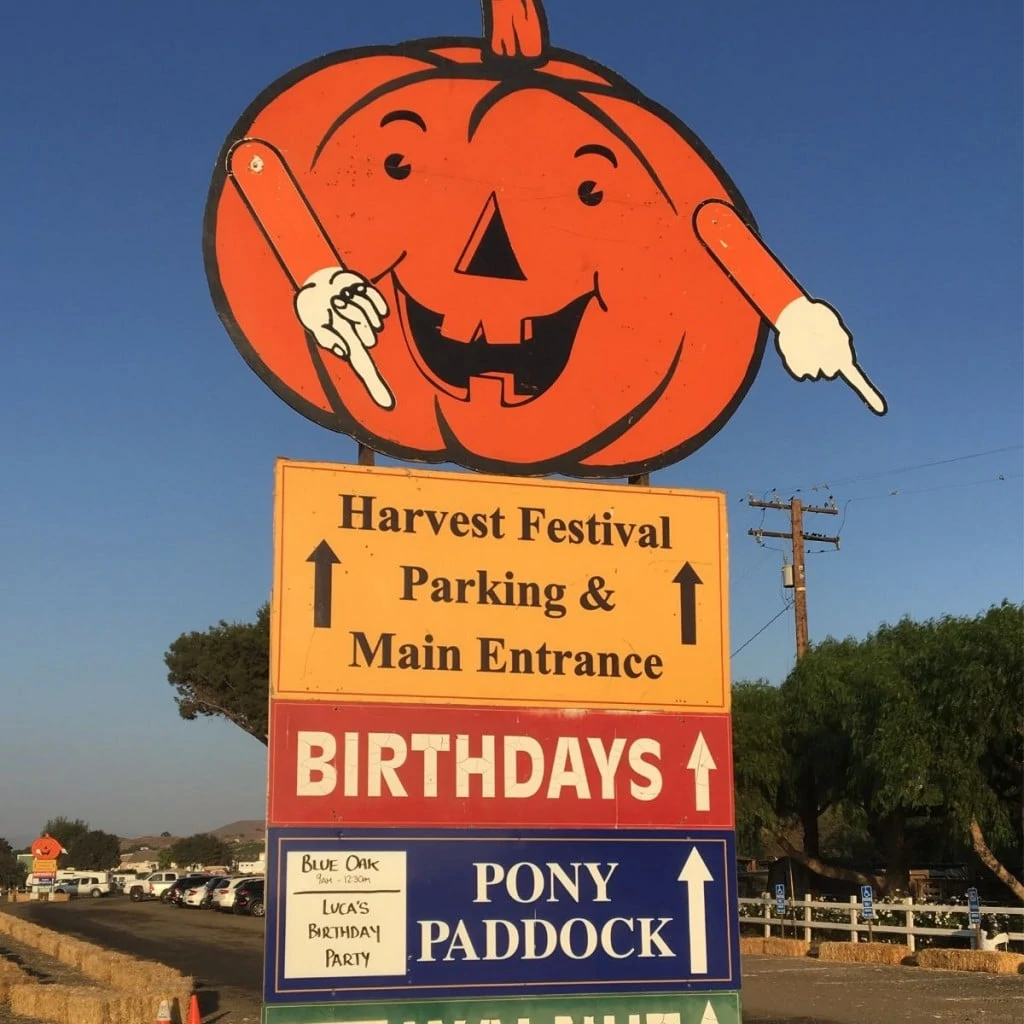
point(855, 377)
point(338, 337)
point(362, 363)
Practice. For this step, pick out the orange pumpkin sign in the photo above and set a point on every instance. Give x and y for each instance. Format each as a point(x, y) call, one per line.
point(46, 848)
point(500, 254)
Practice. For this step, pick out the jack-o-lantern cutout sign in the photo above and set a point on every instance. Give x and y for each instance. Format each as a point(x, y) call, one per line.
point(46, 848)
point(499, 254)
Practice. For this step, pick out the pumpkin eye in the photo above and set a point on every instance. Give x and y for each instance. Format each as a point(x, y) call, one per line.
point(589, 193)
point(396, 166)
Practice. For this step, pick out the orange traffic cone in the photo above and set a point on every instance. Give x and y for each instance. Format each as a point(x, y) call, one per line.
point(163, 1015)
point(194, 1016)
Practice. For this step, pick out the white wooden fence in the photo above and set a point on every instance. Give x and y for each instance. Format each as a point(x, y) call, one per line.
point(807, 916)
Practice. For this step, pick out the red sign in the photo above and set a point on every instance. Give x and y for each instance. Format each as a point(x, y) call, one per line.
point(374, 764)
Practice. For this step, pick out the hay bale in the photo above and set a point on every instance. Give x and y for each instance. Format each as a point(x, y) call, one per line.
point(146, 976)
point(12, 972)
point(60, 897)
point(88, 1008)
point(131, 1009)
point(98, 965)
point(864, 952)
point(773, 947)
point(987, 961)
point(61, 1004)
point(72, 951)
point(44, 1002)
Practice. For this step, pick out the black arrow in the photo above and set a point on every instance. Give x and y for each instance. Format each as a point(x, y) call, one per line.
point(324, 559)
point(688, 581)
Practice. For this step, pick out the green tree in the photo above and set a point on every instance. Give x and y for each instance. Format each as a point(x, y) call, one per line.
point(65, 831)
point(164, 858)
point(200, 849)
point(224, 671)
point(12, 871)
point(917, 731)
point(87, 849)
point(760, 763)
point(96, 851)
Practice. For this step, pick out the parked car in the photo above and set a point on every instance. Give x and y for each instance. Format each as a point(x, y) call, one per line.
point(199, 895)
point(249, 898)
point(175, 892)
point(152, 886)
point(84, 885)
point(224, 897)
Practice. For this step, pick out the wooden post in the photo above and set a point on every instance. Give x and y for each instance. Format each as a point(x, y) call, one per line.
point(854, 909)
point(799, 576)
point(767, 916)
point(908, 902)
point(366, 455)
point(808, 917)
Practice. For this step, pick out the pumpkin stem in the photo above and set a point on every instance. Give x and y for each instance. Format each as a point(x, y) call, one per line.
point(516, 29)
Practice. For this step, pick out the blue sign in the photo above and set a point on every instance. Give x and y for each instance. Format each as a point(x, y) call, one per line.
point(867, 898)
point(780, 899)
point(370, 914)
point(973, 907)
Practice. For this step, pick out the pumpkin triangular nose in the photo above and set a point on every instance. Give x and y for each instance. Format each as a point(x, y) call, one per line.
point(489, 251)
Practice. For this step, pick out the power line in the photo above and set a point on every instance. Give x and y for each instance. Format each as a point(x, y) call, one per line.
point(896, 493)
point(778, 615)
point(901, 469)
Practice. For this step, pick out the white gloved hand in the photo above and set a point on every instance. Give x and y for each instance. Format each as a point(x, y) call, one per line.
point(814, 343)
point(344, 311)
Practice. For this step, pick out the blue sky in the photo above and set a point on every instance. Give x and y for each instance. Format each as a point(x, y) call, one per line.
point(878, 144)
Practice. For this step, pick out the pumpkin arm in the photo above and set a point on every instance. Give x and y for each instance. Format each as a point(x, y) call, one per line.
point(751, 266)
point(277, 204)
point(340, 309)
point(811, 338)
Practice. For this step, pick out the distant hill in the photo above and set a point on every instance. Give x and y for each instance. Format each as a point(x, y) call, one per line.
point(251, 828)
point(235, 831)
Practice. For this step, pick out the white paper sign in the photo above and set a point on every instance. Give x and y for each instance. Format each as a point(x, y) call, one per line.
point(345, 914)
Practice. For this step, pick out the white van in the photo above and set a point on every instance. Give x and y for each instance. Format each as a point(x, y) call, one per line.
point(94, 884)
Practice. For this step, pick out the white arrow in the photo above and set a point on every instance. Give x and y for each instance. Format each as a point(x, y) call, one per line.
point(710, 1017)
point(701, 763)
point(696, 875)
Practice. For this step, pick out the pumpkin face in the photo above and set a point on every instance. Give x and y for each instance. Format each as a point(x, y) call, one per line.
point(46, 848)
point(529, 225)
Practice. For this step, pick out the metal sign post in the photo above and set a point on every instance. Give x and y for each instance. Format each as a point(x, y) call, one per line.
point(867, 898)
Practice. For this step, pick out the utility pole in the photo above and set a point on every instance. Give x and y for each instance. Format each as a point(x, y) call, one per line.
point(796, 509)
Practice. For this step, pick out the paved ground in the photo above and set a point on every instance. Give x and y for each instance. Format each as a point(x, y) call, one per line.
point(226, 952)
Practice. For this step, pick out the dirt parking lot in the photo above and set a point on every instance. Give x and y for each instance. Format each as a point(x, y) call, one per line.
point(225, 953)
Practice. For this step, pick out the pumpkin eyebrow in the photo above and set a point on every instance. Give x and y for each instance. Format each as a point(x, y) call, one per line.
point(404, 115)
point(598, 150)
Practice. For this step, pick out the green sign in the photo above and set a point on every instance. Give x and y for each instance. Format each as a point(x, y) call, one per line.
point(667, 1008)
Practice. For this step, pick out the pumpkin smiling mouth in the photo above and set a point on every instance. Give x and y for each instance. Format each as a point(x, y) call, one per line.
point(531, 365)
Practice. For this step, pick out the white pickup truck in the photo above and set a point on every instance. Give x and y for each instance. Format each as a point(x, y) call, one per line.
point(151, 886)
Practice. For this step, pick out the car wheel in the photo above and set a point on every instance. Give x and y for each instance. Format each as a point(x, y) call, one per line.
point(135, 895)
point(95, 894)
point(257, 909)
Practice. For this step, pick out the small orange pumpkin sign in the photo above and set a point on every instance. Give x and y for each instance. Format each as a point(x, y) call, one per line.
point(500, 254)
point(46, 848)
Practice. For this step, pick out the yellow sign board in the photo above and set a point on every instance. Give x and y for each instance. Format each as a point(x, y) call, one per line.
point(44, 866)
point(452, 588)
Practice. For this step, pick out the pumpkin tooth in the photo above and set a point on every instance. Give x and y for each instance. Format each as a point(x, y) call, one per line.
point(460, 326)
point(527, 329)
